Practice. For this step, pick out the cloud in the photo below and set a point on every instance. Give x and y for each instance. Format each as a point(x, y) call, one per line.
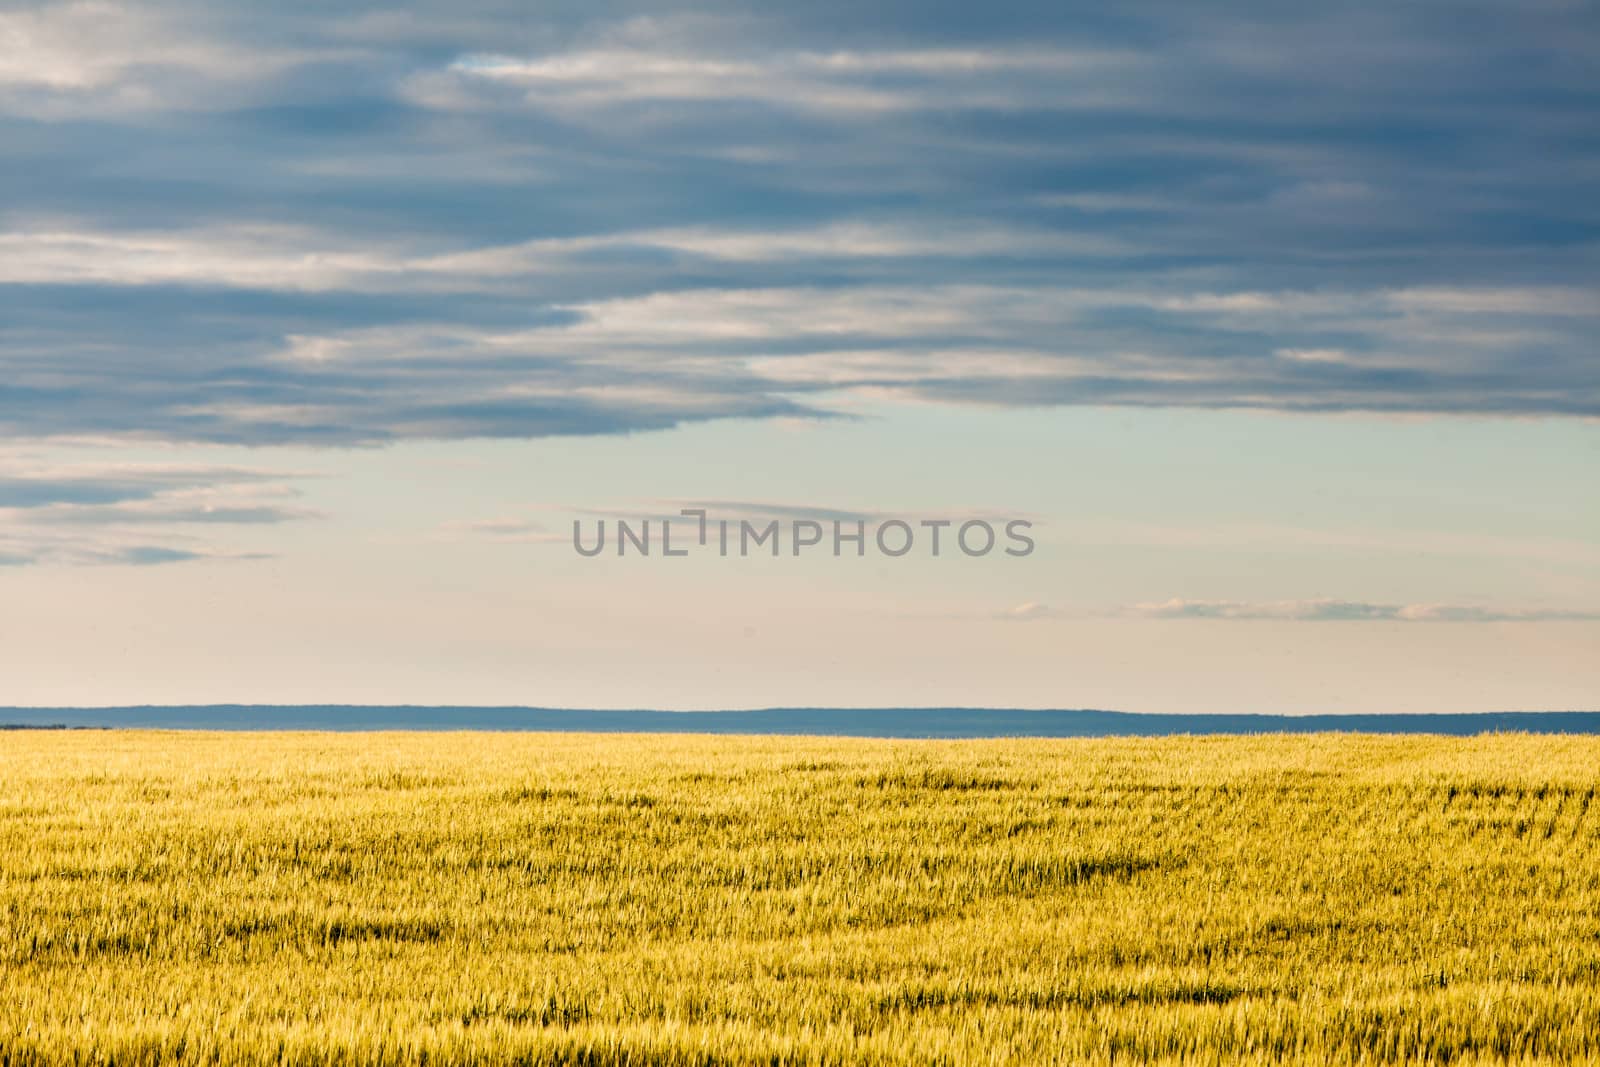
point(230, 224)
point(507, 530)
point(100, 57)
point(28, 482)
point(843, 84)
point(1348, 611)
point(106, 513)
point(1027, 611)
point(552, 523)
point(653, 361)
point(151, 555)
point(293, 258)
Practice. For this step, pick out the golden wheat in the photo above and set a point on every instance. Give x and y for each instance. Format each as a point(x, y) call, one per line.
point(492, 898)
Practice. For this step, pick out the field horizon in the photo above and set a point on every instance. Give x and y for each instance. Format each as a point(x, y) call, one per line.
point(867, 722)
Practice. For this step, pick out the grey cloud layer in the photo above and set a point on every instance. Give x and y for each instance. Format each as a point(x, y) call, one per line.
point(349, 225)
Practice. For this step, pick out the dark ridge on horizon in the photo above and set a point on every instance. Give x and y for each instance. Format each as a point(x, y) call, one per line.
point(838, 722)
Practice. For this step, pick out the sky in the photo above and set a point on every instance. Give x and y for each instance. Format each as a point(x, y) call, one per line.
point(321, 324)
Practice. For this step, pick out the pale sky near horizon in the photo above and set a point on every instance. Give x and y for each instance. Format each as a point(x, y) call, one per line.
point(321, 324)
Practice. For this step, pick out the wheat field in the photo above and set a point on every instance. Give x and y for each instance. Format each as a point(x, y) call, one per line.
point(536, 898)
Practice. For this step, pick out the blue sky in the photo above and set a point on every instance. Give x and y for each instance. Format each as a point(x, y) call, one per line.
point(319, 323)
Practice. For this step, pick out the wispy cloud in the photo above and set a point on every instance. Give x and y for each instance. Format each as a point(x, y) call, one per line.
point(1349, 611)
point(509, 530)
point(842, 84)
point(135, 513)
point(94, 58)
point(552, 523)
point(1027, 611)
